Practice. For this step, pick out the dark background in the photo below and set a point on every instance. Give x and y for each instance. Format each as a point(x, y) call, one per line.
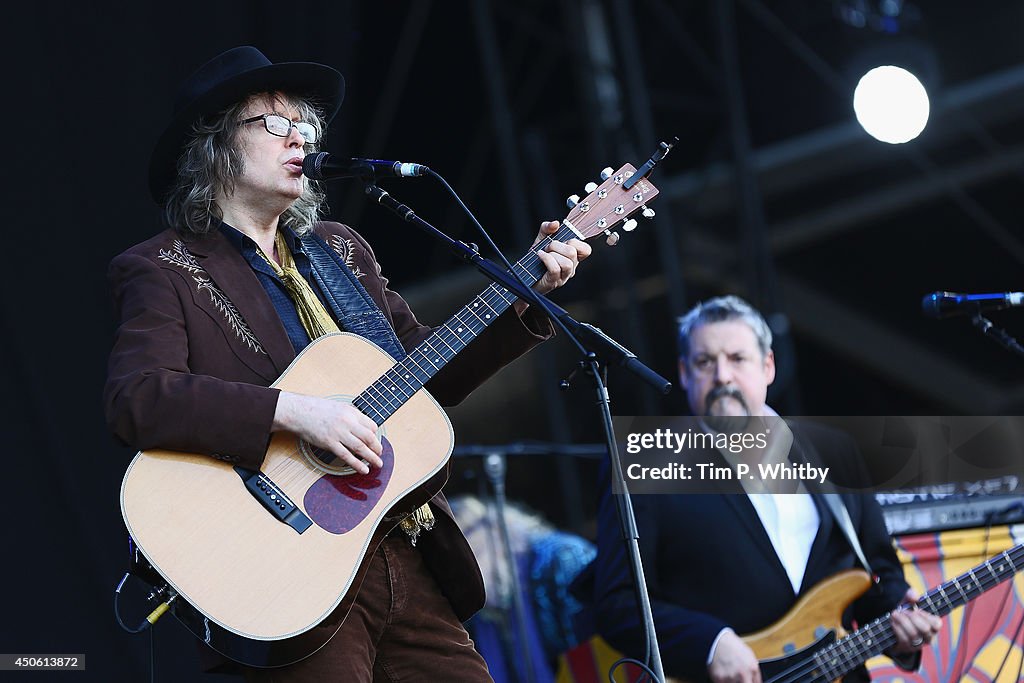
point(773, 193)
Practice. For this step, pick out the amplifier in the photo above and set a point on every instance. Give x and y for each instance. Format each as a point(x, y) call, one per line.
point(909, 515)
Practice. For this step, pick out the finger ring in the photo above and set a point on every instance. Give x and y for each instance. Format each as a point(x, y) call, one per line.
point(917, 642)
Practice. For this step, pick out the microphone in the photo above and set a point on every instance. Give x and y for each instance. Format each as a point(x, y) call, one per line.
point(322, 166)
point(948, 304)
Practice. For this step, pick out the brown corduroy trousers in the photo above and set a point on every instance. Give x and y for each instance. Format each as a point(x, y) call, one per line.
point(400, 629)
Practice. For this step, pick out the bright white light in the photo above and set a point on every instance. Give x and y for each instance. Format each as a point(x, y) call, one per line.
point(891, 104)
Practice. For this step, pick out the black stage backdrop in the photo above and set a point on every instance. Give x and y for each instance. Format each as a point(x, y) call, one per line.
point(89, 86)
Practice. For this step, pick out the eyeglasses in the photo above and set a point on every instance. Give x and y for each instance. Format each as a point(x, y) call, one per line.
point(282, 127)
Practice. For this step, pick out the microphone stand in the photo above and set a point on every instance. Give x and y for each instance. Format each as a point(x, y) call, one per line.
point(594, 363)
point(997, 334)
point(495, 469)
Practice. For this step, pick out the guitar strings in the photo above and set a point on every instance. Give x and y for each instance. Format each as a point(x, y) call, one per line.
point(293, 470)
point(879, 632)
point(961, 650)
point(887, 637)
point(860, 652)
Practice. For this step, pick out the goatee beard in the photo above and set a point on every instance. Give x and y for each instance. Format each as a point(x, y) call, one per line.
point(727, 424)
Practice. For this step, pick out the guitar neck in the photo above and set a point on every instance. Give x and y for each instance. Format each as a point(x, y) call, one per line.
point(845, 655)
point(396, 386)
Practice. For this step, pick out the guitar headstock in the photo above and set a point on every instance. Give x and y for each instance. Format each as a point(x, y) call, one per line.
point(609, 204)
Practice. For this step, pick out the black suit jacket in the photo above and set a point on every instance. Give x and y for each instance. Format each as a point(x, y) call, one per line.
point(710, 564)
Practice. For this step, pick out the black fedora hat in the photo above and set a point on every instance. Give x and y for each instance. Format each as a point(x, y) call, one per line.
point(226, 79)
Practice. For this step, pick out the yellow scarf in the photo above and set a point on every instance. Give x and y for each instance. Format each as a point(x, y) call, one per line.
point(317, 322)
point(314, 317)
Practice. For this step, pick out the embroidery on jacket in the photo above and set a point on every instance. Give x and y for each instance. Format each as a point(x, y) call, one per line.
point(181, 257)
point(346, 249)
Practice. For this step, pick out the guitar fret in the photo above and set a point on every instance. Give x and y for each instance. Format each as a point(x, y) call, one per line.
point(400, 394)
point(928, 604)
point(496, 303)
point(829, 672)
point(838, 659)
point(387, 394)
point(439, 356)
point(403, 375)
point(408, 374)
point(829, 665)
point(423, 357)
point(988, 565)
point(473, 321)
point(473, 313)
point(977, 583)
point(488, 307)
point(368, 410)
point(412, 359)
point(370, 390)
point(450, 348)
point(456, 334)
point(370, 399)
point(458, 331)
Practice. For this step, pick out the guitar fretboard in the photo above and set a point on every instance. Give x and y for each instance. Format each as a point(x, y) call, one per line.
point(838, 659)
point(396, 386)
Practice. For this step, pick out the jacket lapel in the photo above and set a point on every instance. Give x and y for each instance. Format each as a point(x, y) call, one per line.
point(804, 451)
point(813, 572)
point(233, 279)
point(738, 503)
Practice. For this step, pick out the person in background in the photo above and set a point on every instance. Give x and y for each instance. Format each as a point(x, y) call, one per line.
point(723, 564)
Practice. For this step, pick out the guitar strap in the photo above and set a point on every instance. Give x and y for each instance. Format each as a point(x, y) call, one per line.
point(842, 517)
point(355, 309)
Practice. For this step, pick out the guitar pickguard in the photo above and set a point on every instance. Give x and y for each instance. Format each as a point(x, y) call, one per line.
point(338, 503)
point(799, 666)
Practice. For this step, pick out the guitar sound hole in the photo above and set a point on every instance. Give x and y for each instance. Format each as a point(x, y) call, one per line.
point(325, 457)
point(327, 462)
point(324, 461)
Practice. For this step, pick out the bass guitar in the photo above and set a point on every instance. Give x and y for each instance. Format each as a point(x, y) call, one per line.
point(808, 644)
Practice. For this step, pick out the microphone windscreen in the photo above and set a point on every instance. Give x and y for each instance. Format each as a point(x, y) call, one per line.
point(312, 165)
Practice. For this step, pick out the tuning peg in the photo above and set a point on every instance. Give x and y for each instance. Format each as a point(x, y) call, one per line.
point(630, 225)
point(589, 187)
point(607, 172)
point(647, 213)
point(613, 238)
point(572, 200)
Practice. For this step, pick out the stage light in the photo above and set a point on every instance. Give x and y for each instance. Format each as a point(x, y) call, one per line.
point(891, 104)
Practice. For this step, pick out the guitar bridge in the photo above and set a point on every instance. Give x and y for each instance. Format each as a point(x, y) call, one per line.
point(271, 497)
